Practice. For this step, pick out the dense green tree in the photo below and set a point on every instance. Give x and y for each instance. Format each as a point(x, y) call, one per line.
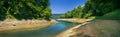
point(2, 11)
point(75, 13)
point(93, 8)
point(25, 9)
point(100, 7)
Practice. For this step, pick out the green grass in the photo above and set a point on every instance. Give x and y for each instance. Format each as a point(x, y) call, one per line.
point(114, 15)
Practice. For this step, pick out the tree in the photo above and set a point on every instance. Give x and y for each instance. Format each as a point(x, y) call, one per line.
point(25, 9)
point(75, 13)
point(101, 7)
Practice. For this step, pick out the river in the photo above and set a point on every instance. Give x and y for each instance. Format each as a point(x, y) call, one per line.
point(50, 31)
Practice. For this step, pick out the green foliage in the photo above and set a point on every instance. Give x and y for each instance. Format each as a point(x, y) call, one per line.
point(93, 8)
point(25, 9)
point(47, 14)
point(114, 15)
point(100, 7)
point(75, 13)
point(88, 14)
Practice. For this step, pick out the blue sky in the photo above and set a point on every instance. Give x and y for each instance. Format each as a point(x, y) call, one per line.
point(62, 6)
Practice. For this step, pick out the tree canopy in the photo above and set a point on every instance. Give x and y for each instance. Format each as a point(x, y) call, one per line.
point(93, 8)
point(75, 13)
point(25, 9)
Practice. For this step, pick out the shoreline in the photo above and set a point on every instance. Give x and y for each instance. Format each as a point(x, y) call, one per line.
point(76, 20)
point(81, 30)
point(13, 26)
point(93, 29)
point(70, 31)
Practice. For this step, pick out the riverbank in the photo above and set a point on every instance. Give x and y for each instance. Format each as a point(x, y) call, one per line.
point(13, 25)
point(75, 31)
point(81, 30)
point(76, 20)
point(97, 28)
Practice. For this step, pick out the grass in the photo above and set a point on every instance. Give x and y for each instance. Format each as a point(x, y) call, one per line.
point(114, 15)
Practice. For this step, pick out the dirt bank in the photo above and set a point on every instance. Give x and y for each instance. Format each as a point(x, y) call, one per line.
point(10, 26)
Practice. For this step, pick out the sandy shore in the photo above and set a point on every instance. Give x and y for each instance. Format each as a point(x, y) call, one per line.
point(76, 20)
point(11, 26)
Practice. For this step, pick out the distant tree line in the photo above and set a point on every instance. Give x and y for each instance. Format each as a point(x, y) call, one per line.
point(25, 9)
point(93, 8)
point(75, 13)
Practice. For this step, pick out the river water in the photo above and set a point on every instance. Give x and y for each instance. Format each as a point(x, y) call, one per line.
point(50, 31)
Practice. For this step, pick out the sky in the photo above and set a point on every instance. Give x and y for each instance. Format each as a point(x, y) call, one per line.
point(62, 6)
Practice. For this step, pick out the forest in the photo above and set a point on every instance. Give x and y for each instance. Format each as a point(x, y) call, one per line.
point(25, 9)
point(93, 8)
